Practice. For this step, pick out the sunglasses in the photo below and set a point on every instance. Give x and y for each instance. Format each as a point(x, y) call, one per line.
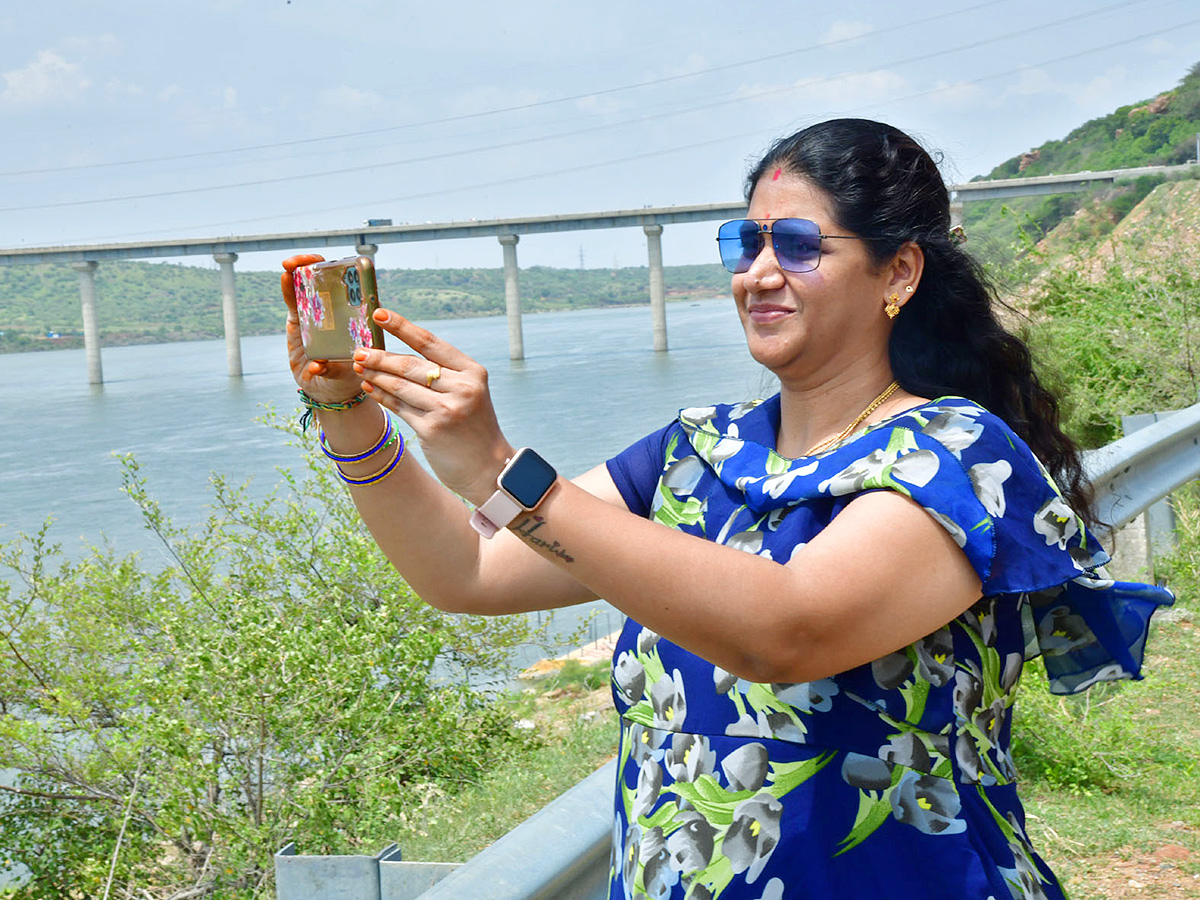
point(797, 243)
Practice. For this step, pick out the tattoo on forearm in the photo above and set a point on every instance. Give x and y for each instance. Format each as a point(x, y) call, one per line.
point(526, 528)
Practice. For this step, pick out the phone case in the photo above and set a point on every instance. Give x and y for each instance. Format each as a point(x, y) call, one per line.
point(335, 301)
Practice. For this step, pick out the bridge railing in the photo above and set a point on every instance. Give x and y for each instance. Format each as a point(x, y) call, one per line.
point(562, 851)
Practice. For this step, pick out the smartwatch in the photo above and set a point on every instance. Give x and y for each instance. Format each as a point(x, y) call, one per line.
point(523, 483)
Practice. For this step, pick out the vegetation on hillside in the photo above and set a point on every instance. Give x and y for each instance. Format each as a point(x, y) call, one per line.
point(140, 302)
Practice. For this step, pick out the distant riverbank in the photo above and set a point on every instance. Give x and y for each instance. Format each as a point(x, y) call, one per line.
point(154, 303)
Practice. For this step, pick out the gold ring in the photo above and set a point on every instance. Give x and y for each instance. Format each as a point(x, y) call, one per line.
point(433, 375)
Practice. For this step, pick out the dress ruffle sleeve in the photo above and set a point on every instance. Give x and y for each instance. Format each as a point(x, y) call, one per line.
point(982, 483)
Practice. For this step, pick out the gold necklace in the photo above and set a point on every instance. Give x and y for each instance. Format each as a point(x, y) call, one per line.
point(849, 429)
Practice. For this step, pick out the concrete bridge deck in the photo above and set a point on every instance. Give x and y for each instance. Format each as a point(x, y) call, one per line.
point(85, 258)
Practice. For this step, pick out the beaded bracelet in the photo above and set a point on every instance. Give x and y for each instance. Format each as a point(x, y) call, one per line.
point(384, 439)
point(311, 403)
point(382, 473)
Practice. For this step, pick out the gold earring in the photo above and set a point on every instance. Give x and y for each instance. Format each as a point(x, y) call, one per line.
point(892, 309)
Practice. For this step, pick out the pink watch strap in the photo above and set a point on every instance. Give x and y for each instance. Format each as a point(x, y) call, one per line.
point(496, 513)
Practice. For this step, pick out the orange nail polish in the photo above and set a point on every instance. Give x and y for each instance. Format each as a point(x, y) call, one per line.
point(360, 355)
point(368, 387)
point(358, 369)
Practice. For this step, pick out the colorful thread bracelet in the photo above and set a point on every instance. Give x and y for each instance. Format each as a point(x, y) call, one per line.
point(384, 439)
point(382, 473)
point(311, 403)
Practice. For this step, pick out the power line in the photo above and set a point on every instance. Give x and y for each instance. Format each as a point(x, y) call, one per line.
point(324, 173)
point(648, 154)
point(654, 82)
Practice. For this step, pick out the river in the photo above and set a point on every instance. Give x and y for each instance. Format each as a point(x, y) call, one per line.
point(590, 385)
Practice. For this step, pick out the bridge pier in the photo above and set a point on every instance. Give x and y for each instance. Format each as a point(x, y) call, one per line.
point(233, 338)
point(368, 250)
point(956, 213)
point(91, 325)
point(658, 294)
point(512, 296)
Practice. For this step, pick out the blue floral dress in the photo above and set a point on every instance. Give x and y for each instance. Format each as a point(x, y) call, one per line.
point(893, 779)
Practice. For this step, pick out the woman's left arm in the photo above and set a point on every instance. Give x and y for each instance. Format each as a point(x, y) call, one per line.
point(882, 575)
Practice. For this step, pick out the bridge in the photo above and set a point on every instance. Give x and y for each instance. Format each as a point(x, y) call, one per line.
point(86, 258)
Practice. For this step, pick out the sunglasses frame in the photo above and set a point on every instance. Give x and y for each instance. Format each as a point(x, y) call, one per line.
point(767, 226)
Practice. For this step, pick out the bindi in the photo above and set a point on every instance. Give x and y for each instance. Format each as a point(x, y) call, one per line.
point(778, 172)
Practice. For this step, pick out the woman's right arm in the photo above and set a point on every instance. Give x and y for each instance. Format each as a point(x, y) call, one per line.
point(421, 526)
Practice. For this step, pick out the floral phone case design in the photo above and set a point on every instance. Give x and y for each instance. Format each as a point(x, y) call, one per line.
point(335, 301)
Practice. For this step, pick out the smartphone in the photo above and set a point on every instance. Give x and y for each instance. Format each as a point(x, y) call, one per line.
point(335, 301)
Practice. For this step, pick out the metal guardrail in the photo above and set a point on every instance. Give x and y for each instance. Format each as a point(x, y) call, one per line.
point(562, 852)
point(1130, 474)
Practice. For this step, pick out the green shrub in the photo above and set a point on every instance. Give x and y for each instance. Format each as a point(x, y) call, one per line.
point(275, 681)
point(1123, 343)
point(1080, 744)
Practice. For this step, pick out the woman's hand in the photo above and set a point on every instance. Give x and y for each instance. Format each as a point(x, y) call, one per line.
point(329, 381)
point(443, 395)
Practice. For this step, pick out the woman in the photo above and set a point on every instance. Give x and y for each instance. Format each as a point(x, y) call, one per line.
point(823, 644)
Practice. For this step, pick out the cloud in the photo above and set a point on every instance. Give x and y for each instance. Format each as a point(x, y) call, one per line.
point(844, 31)
point(170, 92)
point(486, 98)
point(115, 87)
point(48, 79)
point(599, 105)
point(959, 95)
point(1031, 82)
point(1099, 88)
point(1035, 82)
point(1159, 47)
point(347, 98)
point(694, 63)
point(229, 98)
point(93, 45)
point(847, 91)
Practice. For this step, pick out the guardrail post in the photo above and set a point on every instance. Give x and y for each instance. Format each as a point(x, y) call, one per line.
point(512, 296)
point(403, 880)
point(91, 325)
point(658, 295)
point(327, 877)
point(233, 338)
point(1158, 520)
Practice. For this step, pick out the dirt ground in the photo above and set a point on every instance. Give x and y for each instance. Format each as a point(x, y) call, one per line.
point(1158, 876)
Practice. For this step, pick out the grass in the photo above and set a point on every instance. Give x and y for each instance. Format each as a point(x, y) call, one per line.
point(574, 730)
point(1111, 780)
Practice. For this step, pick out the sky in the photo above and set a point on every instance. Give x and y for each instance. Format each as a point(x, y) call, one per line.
point(132, 120)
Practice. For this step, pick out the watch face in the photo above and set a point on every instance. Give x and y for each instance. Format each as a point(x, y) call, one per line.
point(527, 478)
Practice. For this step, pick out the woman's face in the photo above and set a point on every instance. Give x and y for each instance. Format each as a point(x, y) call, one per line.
point(809, 327)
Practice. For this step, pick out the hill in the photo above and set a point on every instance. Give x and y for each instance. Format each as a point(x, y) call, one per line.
point(139, 302)
point(1160, 130)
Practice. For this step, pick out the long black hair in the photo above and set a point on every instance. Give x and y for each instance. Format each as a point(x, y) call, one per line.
point(947, 340)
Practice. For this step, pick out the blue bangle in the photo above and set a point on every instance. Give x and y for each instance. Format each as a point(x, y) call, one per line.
point(383, 441)
point(382, 473)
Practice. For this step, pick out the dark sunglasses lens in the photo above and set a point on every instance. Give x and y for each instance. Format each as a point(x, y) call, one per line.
point(740, 241)
point(797, 244)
